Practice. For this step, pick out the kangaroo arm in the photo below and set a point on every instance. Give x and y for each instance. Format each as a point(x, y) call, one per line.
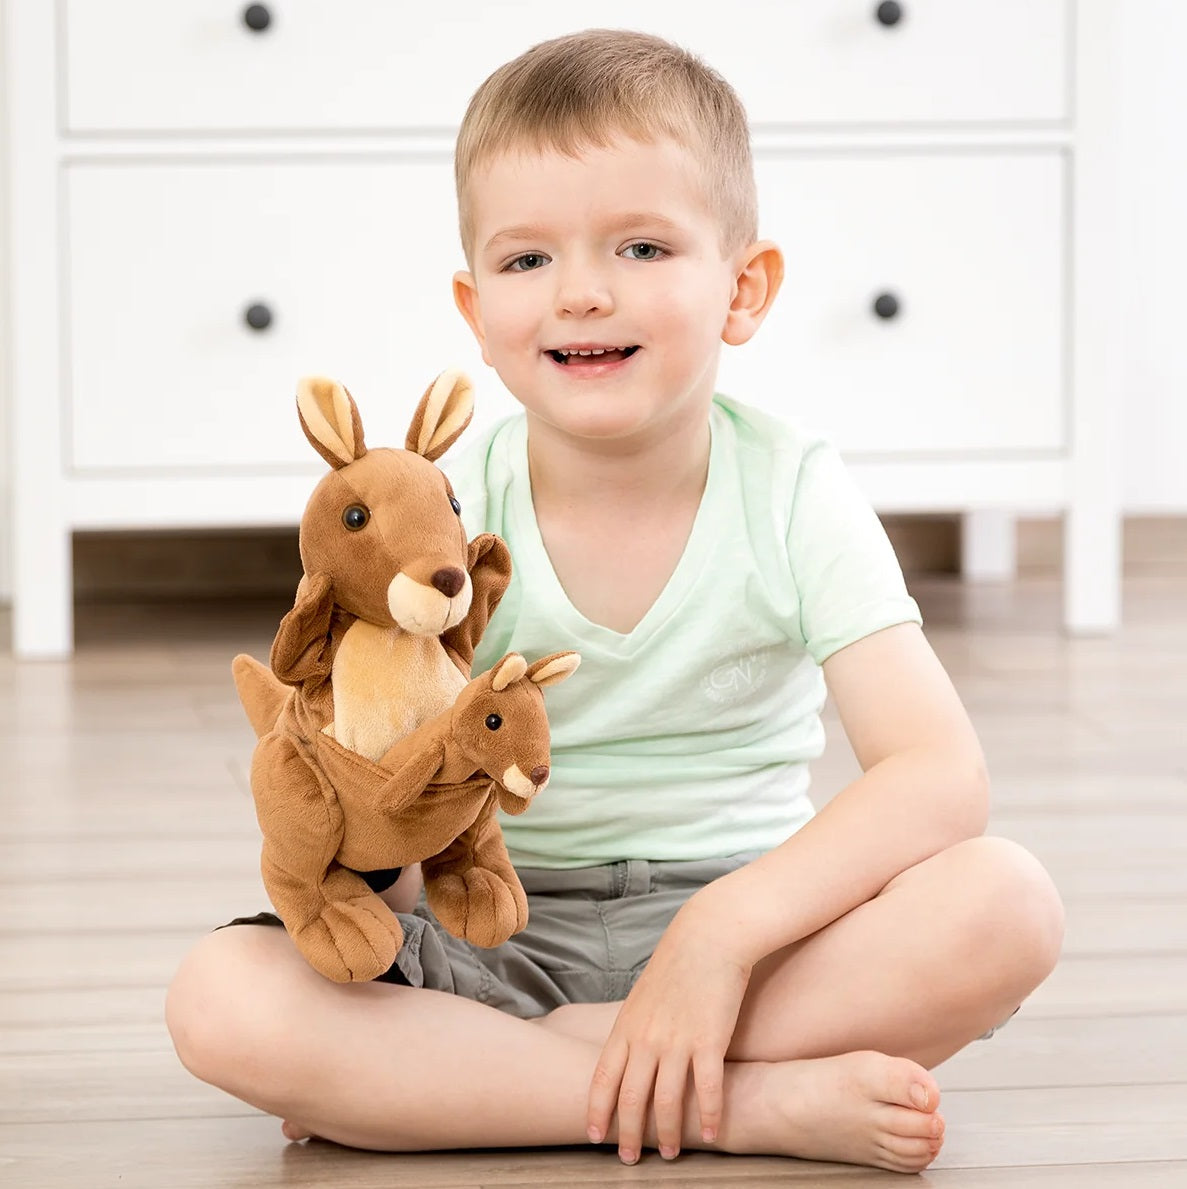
point(489, 565)
point(402, 774)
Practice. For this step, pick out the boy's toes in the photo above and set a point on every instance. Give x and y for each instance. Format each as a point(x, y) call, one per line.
point(901, 1081)
point(909, 1124)
point(909, 1155)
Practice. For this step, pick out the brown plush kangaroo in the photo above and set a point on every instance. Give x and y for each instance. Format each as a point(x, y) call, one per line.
point(391, 605)
point(431, 798)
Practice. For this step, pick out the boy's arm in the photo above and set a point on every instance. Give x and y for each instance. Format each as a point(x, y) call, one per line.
point(923, 788)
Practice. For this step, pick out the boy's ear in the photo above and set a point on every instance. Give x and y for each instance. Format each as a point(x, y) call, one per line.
point(760, 273)
point(465, 297)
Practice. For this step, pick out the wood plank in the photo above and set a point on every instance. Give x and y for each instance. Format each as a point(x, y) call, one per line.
point(129, 905)
point(1098, 986)
point(1033, 1053)
point(1132, 926)
point(232, 848)
point(64, 1041)
point(38, 962)
point(1068, 1125)
point(92, 1007)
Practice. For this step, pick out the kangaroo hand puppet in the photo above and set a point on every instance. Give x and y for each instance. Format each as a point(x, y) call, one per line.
point(391, 605)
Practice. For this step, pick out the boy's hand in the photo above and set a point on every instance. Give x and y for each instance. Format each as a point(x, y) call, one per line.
point(682, 1012)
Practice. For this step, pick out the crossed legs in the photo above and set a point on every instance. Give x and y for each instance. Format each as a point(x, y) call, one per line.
point(829, 1059)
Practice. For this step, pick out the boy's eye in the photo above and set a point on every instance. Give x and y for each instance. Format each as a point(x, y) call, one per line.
point(528, 262)
point(643, 251)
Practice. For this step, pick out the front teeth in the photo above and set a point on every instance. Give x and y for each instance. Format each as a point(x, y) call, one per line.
point(595, 351)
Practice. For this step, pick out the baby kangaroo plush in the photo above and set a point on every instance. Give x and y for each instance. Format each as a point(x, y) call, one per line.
point(380, 640)
point(433, 798)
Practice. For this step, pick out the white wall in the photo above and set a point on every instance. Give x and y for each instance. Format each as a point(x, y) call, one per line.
point(1153, 299)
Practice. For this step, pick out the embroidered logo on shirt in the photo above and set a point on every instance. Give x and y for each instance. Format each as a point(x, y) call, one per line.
point(736, 678)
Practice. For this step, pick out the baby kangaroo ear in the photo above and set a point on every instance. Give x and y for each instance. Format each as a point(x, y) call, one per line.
point(509, 670)
point(330, 420)
point(443, 413)
point(552, 670)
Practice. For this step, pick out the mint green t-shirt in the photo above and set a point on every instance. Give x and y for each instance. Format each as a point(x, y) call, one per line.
point(690, 736)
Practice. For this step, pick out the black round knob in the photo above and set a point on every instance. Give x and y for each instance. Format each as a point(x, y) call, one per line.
point(258, 316)
point(257, 17)
point(889, 13)
point(886, 305)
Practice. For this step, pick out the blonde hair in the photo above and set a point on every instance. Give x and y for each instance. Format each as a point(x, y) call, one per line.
point(579, 91)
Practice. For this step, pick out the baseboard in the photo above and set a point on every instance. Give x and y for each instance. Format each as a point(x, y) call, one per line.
point(170, 565)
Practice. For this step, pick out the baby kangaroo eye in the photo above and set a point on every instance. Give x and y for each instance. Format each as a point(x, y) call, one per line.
point(355, 517)
point(455, 505)
point(493, 722)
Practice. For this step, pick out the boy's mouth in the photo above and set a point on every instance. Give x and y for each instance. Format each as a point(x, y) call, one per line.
point(588, 356)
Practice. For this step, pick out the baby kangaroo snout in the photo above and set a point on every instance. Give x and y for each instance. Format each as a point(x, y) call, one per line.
point(539, 774)
point(449, 580)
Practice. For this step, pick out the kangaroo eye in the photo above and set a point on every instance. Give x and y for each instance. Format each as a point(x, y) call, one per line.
point(493, 722)
point(355, 517)
point(455, 505)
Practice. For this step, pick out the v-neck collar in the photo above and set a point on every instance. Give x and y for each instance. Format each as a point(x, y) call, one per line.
point(536, 570)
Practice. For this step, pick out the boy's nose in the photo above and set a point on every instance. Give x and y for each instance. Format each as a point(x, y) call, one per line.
point(582, 294)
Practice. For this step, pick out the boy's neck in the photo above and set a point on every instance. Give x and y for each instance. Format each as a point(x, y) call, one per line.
point(575, 473)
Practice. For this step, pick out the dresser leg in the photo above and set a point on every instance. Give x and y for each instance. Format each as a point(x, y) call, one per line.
point(988, 547)
point(1091, 572)
point(42, 594)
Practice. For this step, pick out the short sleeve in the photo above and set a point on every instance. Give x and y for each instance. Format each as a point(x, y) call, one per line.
point(843, 566)
point(468, 474)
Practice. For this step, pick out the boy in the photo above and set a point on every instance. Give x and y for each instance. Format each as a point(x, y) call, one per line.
point(788, 978)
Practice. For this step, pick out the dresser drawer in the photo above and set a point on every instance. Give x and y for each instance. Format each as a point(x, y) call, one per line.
point(971, 248)
point(352, 260)
point(374, 65)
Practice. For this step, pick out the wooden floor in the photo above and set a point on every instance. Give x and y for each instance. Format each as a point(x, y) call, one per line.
point(127, 831)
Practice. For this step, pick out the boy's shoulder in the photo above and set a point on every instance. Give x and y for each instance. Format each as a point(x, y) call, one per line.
point(757, 434)
point(482, 467)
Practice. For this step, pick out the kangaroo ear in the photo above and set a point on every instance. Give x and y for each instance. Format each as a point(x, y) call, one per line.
point(330, 420)
point(302, 648)
point(510, 669)
point(443, 413)
point(552, 670)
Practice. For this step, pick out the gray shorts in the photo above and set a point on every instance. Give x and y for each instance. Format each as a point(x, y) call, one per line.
point(590, 932)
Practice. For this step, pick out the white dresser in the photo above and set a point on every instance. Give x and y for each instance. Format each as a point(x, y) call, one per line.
point(211, 199)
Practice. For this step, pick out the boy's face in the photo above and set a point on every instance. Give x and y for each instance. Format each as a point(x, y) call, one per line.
point(614, 251)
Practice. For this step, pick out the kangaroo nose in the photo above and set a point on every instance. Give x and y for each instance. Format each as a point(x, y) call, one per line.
point(539, 774)
point(449, 580)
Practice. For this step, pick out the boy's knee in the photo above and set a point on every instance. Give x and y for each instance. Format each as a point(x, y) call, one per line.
point(1020, 909)
point(211, 1008)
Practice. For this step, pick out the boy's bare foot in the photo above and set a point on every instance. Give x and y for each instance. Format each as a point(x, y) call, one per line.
point(858, 1108)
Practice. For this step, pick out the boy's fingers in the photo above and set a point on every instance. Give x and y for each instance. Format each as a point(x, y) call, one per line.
point(708, 1076)
point(603, 1089)
point(633, 1100)
point(668, 1101)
